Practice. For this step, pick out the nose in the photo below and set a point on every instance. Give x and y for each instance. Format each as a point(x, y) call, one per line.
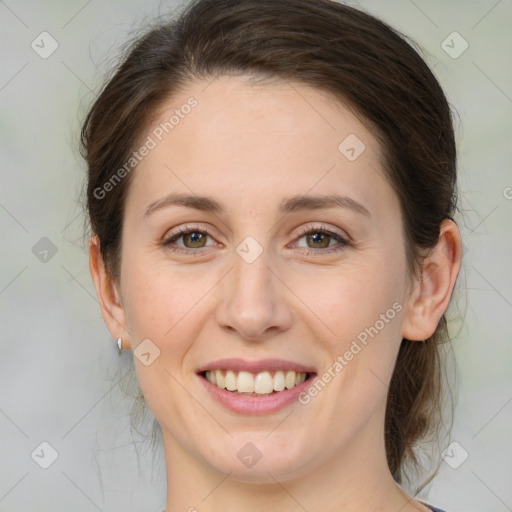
point(253, 301)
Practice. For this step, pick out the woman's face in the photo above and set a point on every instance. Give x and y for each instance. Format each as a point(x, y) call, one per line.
point(247, 291)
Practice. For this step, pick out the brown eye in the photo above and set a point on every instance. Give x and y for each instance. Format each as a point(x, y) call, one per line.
point(192, 239)
point(318, 241)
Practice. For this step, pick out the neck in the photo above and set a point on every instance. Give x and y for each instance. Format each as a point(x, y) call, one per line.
point(351, 478)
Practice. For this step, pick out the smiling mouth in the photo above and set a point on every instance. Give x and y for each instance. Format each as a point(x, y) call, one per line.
point(255, 384)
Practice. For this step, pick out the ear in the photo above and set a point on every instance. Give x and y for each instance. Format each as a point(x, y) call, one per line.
point(108, 294)
point(432, 291)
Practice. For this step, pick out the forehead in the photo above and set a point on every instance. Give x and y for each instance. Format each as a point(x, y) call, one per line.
point(253, 143)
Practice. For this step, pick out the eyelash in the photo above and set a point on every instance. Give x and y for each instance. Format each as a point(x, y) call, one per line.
point(185, 230)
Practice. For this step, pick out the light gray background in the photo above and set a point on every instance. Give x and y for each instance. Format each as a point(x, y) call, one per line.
point(59, 367)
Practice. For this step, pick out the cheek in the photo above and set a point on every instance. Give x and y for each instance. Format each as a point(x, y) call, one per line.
point(345, 301)
point(358, 314)
point(365, 318)
point(162, 302)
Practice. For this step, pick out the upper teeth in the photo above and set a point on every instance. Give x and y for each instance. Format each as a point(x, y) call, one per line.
point(259, 383)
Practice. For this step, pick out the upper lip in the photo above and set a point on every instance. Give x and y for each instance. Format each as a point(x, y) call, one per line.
point(258, 366)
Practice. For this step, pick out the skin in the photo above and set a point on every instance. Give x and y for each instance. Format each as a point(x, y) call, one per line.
point(249, 147)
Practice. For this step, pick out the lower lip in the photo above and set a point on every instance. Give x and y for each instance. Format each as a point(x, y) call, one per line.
point(254, 405)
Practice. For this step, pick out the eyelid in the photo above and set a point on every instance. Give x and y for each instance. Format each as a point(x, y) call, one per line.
point(186, 228)
point(344, 240)
point(322, 227)
point(183, 230)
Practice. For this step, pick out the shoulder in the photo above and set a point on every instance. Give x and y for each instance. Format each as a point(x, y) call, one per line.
point(431, 507)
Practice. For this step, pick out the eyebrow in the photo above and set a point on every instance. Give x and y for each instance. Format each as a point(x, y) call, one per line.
point(289, 205)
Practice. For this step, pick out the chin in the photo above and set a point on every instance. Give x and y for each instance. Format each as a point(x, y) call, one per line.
point(261, 461)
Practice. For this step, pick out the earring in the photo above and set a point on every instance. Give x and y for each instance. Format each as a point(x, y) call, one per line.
point(120, 343)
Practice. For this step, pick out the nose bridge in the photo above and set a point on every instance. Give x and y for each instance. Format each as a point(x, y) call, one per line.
point(253, 280)
point(252, 301)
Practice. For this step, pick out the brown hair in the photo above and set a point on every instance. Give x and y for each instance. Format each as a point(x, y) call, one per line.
point(338, 49)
